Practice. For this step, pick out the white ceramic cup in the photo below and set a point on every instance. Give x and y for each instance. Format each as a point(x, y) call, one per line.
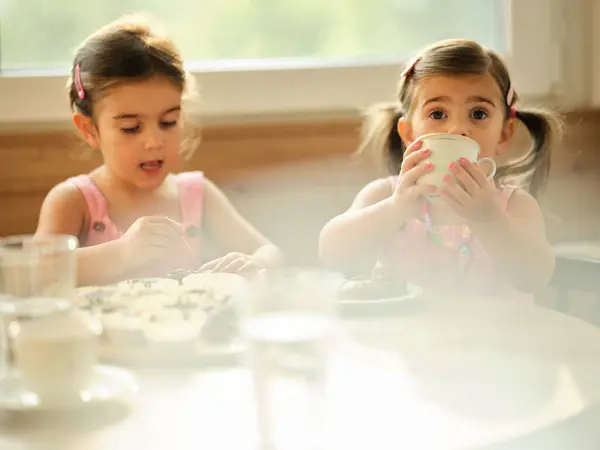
point(446, 148)
point(55, 354)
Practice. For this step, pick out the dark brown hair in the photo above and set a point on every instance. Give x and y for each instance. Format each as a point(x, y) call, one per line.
point(463, 57)
point(127, 50)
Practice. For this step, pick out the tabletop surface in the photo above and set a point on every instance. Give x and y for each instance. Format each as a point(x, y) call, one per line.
point(578, 249)
point(453, 374)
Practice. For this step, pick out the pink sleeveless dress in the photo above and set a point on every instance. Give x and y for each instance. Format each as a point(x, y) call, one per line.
point(184, 256)
point(436, 267)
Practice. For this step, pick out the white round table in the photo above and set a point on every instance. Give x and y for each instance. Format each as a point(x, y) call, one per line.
point(452, 375)
point(578, 249)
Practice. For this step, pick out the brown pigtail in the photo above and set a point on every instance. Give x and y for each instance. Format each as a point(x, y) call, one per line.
point(380, 136)
point(546, 129)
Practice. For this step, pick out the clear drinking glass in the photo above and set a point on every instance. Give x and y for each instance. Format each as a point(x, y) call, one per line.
point(35, 268)
point(37, 279)
point(288, 322)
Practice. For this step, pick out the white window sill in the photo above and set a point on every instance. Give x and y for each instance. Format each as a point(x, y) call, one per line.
point(230, 93)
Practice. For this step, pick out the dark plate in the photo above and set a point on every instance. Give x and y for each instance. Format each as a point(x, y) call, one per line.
point(382, 307)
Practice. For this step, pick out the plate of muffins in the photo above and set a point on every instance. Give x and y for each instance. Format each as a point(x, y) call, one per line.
point(184, 318)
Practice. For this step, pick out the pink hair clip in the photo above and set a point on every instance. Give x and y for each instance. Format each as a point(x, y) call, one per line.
point(79, 83)
point(410, 67)
point(513, 112)
point(510, 96)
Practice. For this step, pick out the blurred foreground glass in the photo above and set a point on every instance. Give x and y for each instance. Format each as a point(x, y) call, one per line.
point(288, 322)
point(37, 280)
point(34, 267)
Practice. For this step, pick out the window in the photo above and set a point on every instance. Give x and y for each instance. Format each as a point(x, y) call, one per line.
point(268, 56)
point(213, 30)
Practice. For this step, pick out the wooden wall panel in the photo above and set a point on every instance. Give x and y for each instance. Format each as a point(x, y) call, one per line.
point(289, 178)
point(31, 163)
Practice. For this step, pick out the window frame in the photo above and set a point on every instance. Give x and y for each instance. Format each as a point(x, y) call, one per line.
point(234, 89)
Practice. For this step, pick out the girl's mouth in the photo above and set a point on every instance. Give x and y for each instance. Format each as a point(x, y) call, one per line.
point(152, 166)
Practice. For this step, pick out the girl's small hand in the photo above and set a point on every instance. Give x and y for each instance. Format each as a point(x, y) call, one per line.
point(232, 263)
point(408, 195)
point(150, 238)
point(470, 193)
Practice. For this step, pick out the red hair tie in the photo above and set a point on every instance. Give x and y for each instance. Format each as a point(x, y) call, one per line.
point(513, 111)
point(79, 83)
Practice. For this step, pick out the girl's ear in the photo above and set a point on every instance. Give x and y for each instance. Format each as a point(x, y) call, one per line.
point(405, 131)
point(87, 129)
point(508, 131)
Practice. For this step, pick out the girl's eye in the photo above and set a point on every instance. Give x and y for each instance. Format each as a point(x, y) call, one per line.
point(479, 114)
point(169, 124)
point(437, 115)
point(131, 130)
